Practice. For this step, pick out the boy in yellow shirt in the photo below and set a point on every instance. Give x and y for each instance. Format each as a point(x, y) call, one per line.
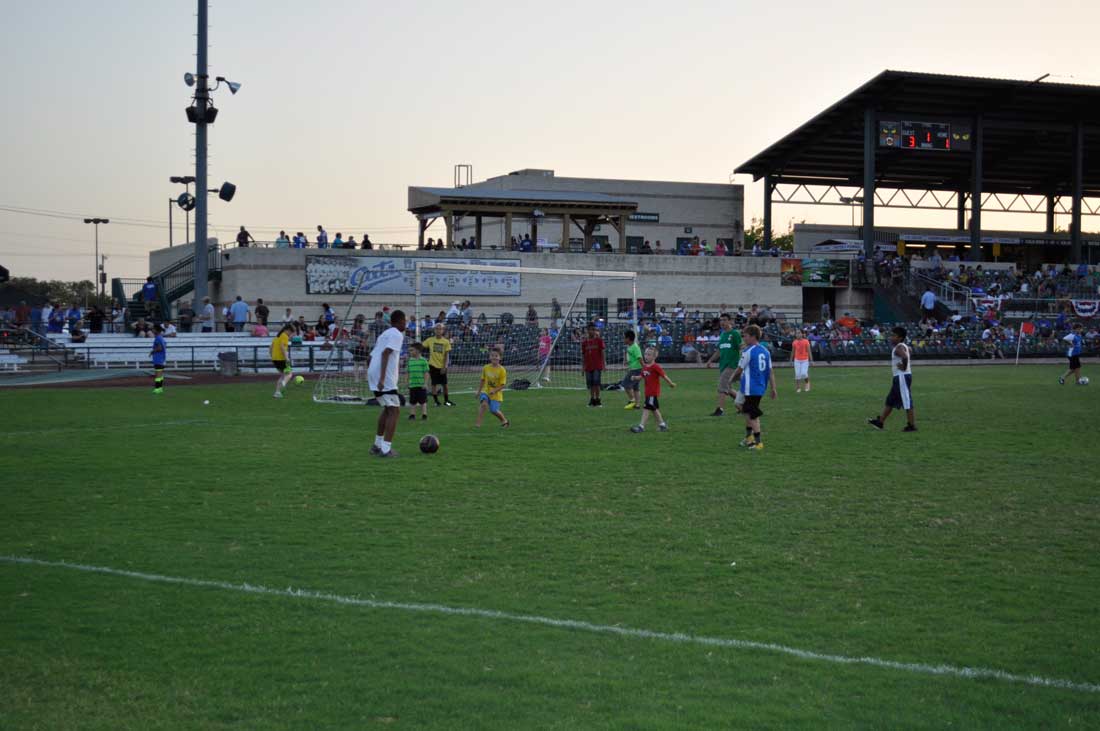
point(490, 392)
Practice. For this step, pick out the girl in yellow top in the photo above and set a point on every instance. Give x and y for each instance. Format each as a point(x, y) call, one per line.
point(490, 392)
point(280, 358)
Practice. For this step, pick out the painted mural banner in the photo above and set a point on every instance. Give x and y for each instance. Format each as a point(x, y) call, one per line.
point(823, 272)
point(397, 275)
point(790, 272)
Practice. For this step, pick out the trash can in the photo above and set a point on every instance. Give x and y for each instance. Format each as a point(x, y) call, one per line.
point(227, 364)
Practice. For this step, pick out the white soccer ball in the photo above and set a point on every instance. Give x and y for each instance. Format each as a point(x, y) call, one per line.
point(206, 403)
point(1083, 380)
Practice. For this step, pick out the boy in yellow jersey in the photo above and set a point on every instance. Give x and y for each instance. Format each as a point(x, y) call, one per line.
point(439, 358)
point(490, 392)
point(280, 358)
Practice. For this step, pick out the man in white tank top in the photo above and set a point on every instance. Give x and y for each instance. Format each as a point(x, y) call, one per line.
point(901, 390)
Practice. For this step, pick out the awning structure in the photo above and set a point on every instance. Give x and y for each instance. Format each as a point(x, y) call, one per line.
point(585, 210)
point(977, 140)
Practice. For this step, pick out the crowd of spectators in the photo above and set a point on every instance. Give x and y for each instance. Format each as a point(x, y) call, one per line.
point(300, 241)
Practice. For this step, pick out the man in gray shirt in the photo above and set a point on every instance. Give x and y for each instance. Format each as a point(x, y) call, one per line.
point(206, 317)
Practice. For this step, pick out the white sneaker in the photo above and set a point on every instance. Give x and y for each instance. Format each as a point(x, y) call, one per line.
point(278, 394)
point(663, 426)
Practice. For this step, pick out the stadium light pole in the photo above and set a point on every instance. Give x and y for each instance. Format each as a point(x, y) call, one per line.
point(96, 283)
point(202, 114)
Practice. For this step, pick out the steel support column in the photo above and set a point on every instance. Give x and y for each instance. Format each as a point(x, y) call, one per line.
point(960, 214)
point(202, 100)
point(769, 186)
point(976, 173)
point(1050, 213)
point(869, 140)
point(1078, 191)
point(507, 244)
point(477, 231)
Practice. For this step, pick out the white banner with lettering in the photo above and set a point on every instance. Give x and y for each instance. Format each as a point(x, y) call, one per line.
point(396, 275)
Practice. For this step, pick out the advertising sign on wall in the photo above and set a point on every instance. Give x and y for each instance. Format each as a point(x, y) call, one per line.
point(396, 275)
point(815, 272)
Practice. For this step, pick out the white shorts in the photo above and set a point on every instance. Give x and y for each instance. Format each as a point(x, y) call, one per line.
point(389, 399)
point(801, 370)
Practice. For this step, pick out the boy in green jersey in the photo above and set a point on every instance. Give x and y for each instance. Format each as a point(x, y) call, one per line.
point(417, 368)
point(728, 353)
point(633, 378)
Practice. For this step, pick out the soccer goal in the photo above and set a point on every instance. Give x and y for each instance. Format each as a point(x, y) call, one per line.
point(539, 351)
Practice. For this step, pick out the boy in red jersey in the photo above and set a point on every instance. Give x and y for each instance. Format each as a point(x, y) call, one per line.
point(592, 347)
point(652, 374)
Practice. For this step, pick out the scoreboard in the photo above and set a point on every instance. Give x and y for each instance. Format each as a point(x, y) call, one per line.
point(909, 135)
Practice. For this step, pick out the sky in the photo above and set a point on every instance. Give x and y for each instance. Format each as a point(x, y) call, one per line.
point(344, 104)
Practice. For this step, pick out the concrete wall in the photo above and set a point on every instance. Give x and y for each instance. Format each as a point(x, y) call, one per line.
point(278, 276)
point(711, 210)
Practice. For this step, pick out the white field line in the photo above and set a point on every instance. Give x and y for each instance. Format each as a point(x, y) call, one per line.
point(573, 624)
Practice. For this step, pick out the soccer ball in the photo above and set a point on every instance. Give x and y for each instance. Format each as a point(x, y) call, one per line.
point(299, 380)
point(429, 444)
point(1083, 380)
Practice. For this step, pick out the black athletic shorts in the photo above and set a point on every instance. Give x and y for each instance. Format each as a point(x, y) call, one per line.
point(438, 376)
point(651, 403)
point(751, 407)
point(1074, 362)
point(280, 365)
point(901, 392)
point(418, 395)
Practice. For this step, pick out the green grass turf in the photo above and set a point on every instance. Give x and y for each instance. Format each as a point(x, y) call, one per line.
point(970, 543)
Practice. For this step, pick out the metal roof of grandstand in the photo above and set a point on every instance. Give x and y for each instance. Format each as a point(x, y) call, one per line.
point(1029, 132)
point(420, 198)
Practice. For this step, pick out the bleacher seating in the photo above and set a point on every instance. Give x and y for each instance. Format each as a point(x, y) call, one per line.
point(186, 350)
point(10, 361)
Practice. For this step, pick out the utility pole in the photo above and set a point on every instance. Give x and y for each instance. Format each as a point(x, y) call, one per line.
point(202, 99)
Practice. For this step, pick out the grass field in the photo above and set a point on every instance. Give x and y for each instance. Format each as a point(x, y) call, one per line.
point(970, 544)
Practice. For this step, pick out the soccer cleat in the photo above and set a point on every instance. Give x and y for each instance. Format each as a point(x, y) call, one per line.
point(505, 424)
point(807, 388)
point(798, 390)
point(757, 445)
point(448, 403)
point(412, 417)
point(591, 403)
point(158, 391)
point(423, 417)
point(374, 449)
point(876, 423)
point(277, 394)
point(1061, 381)
point(390, 454)
point(663, 426)
point(909, 427)
point(719, 412)
point(637, 429)
point(746, 442)
point(630, 405)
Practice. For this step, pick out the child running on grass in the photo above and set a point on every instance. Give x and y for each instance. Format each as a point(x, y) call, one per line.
point(652, 374)
point(490, 392)
point(633, 369)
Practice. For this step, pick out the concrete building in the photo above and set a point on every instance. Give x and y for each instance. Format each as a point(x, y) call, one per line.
point(674, 213)
point(304, 279)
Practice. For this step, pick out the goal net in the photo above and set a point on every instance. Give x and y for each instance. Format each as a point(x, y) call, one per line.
point(538, 326)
